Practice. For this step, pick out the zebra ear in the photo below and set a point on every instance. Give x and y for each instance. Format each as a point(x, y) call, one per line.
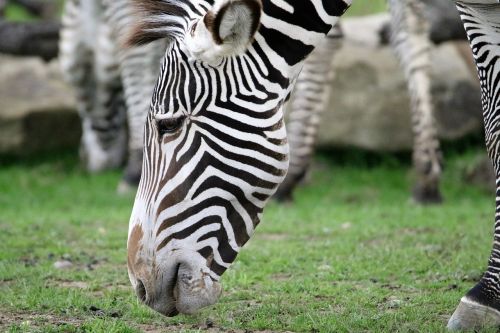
point(226, 30)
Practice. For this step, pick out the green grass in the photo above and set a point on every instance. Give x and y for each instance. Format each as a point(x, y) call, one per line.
point(360, 8)
point(353, 254)
point(16, 12)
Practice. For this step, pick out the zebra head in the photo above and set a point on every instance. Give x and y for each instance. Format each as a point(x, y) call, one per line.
point(215, 141)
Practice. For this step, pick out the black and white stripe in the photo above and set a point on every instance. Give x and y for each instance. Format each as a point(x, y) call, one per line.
point(205, 184)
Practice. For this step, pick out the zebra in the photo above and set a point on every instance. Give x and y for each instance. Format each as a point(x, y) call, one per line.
point(480, 307)
point(215, 140)
point(410, 42)
point(216, 146)
point(113, 84)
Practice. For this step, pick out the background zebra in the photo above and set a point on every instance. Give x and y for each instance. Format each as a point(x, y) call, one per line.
point(410, 40)
point(113, 84)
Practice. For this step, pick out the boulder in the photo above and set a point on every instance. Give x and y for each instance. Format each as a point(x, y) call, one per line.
point(37, 109)
point(370, 106)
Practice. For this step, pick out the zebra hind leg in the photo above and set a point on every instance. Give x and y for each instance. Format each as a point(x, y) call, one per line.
point(106, 139)
point(480, 307)
point(411, 43)
point(88, 64)
point(309, 99)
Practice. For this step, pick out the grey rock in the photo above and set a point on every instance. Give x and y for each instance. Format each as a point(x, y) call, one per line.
point(63, 264)
point(37, 109)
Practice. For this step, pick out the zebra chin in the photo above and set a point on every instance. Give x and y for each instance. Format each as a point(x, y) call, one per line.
point(180, 283)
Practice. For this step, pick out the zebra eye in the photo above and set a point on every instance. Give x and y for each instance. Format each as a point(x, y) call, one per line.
point(193, 28)
point(170, 125)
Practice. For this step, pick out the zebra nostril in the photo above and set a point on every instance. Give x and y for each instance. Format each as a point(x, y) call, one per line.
point(140, 290)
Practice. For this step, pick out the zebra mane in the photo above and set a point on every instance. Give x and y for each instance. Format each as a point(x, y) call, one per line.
point(157, 19)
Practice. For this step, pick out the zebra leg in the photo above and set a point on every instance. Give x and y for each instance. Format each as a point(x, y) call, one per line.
point(410, 41)
point(309, 99)
point(480, 307)
point(75, 59)
point(88, 60)
point(139, 70)
point(108, 116)
point(140, 67)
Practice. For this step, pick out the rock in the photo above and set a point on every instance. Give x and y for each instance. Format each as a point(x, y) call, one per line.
point(37, 109)
point(394, 303)
point(367, 30)
point(63, 264)
point(369, 107)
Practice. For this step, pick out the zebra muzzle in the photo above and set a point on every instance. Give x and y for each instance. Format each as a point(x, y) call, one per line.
point(195, 288)
point(182, 283)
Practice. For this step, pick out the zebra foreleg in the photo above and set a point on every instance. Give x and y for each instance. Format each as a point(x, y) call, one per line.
point(480, 307)
point(410, 41)
point(310, 98)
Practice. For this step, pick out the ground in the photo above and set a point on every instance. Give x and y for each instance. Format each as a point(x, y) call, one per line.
point(353, 253)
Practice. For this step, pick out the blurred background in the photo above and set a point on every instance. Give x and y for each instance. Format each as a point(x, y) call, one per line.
point(352, 252)
point(38, 113)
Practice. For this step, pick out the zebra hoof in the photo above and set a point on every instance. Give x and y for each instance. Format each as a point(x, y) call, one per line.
point(471, 315)
point(427, 195)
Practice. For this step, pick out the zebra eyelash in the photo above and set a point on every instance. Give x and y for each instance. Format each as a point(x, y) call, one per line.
point(170, 125)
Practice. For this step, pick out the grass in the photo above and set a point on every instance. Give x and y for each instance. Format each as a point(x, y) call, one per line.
point(360, 8)
point(353, 254)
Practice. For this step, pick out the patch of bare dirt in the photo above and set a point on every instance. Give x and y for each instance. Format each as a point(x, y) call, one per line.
point(34, 320)
point(281, 277)
point(416, 231)
point(271, 237)
point(74, 284)
point(208, 327)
